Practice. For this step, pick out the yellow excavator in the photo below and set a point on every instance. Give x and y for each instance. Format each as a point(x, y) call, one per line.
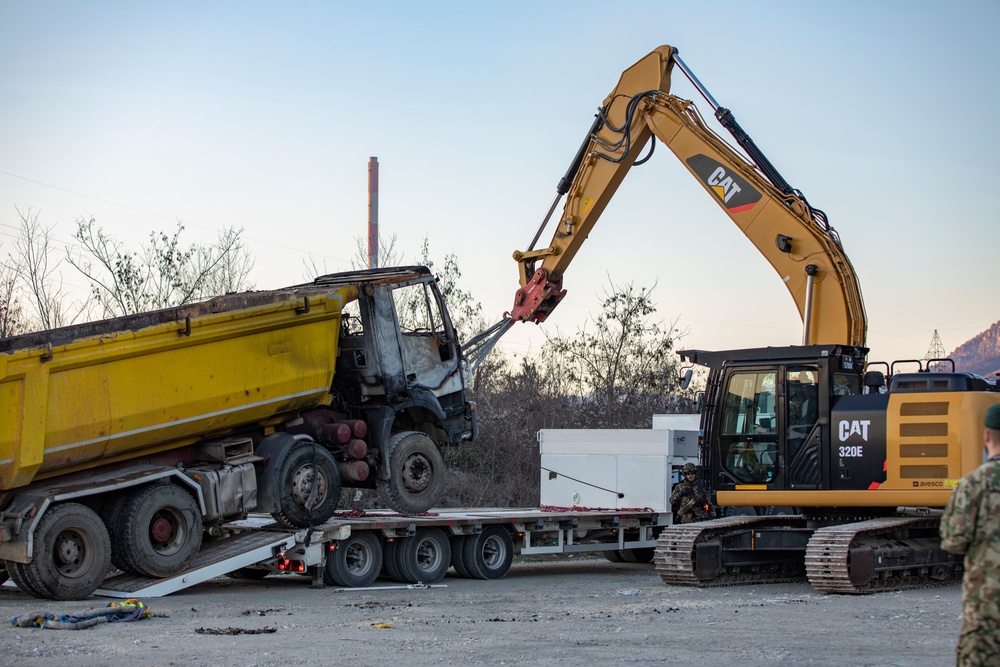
point(820, 464)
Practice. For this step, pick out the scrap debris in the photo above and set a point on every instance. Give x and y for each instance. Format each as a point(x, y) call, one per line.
point(236, 631)
point(114, 612)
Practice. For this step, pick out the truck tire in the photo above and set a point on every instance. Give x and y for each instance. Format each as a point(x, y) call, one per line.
point(416, 473)
point(390, 559)
point(615, 556)
point(643, 555)
point(300, 503)
point(109, 515)
point(458, 556)
point(425, 557)
point(355, 562)
point(158, 531)
point(21, 580)
point(72, 554)
point(489, 554)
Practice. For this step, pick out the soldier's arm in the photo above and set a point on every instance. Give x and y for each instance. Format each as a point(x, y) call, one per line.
point(675, 496)
point(958, 524)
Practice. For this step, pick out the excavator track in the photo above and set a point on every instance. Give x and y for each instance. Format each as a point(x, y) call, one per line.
point(677, 550)
point(883, 554)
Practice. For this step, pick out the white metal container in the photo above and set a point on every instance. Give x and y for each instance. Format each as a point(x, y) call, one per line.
point(613, 468)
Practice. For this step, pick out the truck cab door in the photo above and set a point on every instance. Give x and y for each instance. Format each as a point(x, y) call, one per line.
point(426, 344)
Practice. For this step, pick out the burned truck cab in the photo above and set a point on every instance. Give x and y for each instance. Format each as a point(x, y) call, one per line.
point(399, 370)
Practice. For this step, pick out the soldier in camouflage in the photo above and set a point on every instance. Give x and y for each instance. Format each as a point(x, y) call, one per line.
point(971, 526)
point(687, 497)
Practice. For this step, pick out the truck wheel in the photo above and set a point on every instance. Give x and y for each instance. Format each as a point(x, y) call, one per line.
point(457, 555)
point(158, 531)
point(308, 486)
point(390, 559)
point(72, 554)
point(615, 556)
point(109, 515)
point(489, 554)
point(425, 557)
point(4, 576)
point(643, 555)
point(416, 473)
point(21, 580)
point(355, 562)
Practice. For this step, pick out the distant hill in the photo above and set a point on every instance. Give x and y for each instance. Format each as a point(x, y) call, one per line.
point(980, 354)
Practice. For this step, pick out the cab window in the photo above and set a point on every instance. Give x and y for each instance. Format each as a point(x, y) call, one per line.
point(748, 427)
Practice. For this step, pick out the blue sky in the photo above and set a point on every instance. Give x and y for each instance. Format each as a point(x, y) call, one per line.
point(264, 116)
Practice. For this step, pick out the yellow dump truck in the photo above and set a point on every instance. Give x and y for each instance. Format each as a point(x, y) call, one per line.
point(124, 442)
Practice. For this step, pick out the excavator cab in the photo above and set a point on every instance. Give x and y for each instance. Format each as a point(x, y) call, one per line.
point(767, 418)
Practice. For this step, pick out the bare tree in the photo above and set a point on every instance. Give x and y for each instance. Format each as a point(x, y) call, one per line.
point(162, 274)
point(223, 268)
point(37, 272)
point(11, 317)
point(388, 255)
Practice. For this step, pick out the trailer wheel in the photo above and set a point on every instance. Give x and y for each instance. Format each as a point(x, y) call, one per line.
point(158, 531)
point(615, 556)
point(416, 473)
point(489, 554)
point(643, 555)
point(248, 574)
point(458, 556)
point(425, 557)
point(390, 559)
point(308, 486)
point(72, 554)
point(355, 562)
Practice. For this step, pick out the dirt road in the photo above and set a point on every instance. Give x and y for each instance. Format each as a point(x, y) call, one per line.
point(567, 612)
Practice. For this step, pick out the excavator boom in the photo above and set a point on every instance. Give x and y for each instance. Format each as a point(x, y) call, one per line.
point(794, 238)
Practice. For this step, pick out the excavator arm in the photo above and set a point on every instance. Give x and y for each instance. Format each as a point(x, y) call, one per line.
point(794, 238)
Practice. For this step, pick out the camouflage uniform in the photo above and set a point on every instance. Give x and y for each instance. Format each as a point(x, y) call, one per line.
point(971, 526)
point(688, 499)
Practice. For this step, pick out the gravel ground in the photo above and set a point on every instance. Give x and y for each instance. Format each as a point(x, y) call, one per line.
point(572, 611)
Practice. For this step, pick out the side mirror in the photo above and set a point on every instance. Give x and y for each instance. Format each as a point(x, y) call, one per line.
point(686, 378)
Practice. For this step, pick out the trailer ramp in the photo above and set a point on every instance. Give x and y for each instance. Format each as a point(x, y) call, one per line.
point(214, 560)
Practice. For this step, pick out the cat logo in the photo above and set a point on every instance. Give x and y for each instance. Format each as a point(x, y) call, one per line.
point(856, 427)
point(735, 193)
point(723, 185)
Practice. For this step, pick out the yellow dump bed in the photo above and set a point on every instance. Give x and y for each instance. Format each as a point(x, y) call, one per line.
point(81, 396)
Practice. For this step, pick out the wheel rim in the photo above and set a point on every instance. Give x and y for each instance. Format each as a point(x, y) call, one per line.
point(167, 531)
point(358, 558)
point(494, 552)
point(428, 555)
point(73, 553)
point(417, 473)
point(302, 487)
